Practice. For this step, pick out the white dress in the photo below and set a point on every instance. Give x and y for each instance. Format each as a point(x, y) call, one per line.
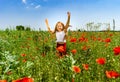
point(60, 36)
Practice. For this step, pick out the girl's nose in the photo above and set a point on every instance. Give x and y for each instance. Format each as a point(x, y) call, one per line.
point(60, 27)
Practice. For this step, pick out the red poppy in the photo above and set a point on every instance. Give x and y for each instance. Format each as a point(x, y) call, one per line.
point(73, 80)
point(26, 79)
point(76, 69)
point(112, 74)
point(24, 60)
point(85, 47)
point(83, 39)
point(18, 80)
point(111, 34)
point(107, 40)
point(85, 66)
point(3, 80)
point(23, 55)
point(60, 49)
point(116, 50)
point(101, 61)
point(99, 39)
point(74, 51)
point(73, 40)
point(93, 38)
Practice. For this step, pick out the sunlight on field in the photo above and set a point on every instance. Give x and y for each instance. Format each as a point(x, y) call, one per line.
point(31, 55)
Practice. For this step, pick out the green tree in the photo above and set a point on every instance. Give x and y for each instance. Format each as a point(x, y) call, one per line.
point(20, 27)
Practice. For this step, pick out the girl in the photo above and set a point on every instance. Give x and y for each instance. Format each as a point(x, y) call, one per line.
point(60, 31)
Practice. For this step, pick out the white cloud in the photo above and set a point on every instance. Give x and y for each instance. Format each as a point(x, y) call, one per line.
point(24, 1)
point(38, 6)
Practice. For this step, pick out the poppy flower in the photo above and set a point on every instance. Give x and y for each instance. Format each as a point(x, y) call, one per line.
point(73, 40)
point(116, 50)
point(112, 74)
point(60, 49)
point(73, 80)
point(76, 69)
point(111, 34)
point(24, 60)
point(23, 55)
point(107, 40)
point(3, 80)
point(101, 61)
point(26, 79)
point(18, 80)
point(99, 39)
point(83, 39)
point(85, 47)
point(85, 66)
point(93, 38)
point(74, 51)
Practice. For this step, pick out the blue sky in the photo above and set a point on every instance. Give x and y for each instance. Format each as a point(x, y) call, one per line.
point(34, 12)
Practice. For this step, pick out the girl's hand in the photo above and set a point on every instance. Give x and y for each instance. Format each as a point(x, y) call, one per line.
point(46, 21)
point(68, 13)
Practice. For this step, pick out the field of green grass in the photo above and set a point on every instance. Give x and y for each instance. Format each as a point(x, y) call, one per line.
point(91, 57)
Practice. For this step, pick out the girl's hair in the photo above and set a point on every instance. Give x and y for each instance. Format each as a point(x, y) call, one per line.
point(57, 24)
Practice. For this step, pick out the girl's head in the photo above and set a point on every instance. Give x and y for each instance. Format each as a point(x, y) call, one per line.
point(59, 27)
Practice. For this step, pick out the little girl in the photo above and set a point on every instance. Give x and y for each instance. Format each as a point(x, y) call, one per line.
point(60, 31)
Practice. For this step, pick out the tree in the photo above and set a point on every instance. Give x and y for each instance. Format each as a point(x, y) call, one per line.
point(20, 27)
point(89, 26)
point(28, 29)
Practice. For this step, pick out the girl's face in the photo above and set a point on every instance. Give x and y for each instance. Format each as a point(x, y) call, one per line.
point(59, 27)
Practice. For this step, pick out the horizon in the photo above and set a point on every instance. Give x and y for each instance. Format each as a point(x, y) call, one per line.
point(33, 13)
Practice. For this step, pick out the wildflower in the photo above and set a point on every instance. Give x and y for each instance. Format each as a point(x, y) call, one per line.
point(60, 49)
point(73, 40)
point(85, 47)
point(116, 50)
point(26, 79)
point(76, 69)
point(107, 40)
point(24, 60)
point(85, 66)
point(23, 55)
point(111, 34)
point(83, 39)
point(74, 51)
point(101, 61)
point(3, 80)
point(93, 38)
point(99, 39)
point(73, 80)
point(112, 74)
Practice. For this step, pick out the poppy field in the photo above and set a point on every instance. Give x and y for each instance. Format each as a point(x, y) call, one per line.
point(31, 55)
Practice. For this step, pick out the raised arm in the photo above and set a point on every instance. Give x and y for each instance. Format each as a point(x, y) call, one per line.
point(48, 27)
point(68, 21)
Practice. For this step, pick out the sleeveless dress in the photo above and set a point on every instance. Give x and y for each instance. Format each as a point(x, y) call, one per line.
point(61, 41)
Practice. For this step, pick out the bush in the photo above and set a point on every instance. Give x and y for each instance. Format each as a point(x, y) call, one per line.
point(20, 27)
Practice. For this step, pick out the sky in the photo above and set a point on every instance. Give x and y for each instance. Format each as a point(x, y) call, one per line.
point(32, 13)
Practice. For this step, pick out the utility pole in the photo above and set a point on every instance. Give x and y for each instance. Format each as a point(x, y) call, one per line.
point(113, 25)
